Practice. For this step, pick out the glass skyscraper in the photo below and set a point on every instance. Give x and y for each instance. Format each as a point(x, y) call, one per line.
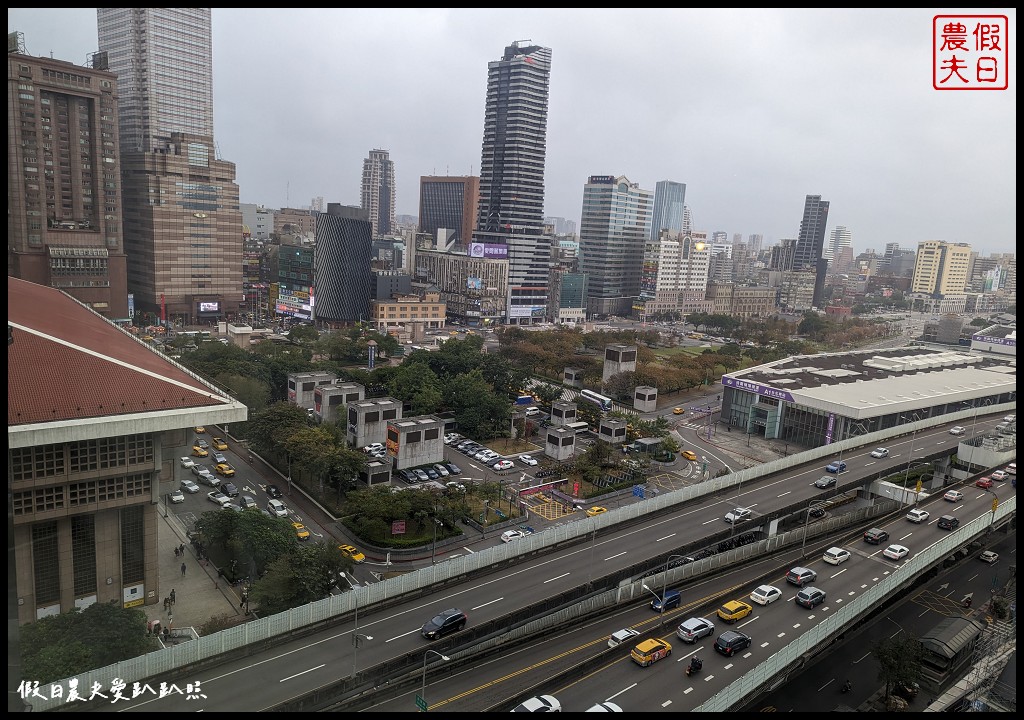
point(511, 208)
point(669, 199)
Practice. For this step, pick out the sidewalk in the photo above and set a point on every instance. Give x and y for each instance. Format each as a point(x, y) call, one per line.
point(199, 594)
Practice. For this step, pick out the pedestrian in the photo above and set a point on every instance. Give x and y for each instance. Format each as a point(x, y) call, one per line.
point(182, 549)
point(183, 569)
point(172, 596)
point(176, 553)
point(167, 604)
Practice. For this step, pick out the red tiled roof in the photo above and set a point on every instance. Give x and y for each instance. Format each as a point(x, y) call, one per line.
point(66, 362)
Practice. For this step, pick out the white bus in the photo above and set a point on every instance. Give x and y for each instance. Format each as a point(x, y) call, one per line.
point(578, 427)
point(605, 403)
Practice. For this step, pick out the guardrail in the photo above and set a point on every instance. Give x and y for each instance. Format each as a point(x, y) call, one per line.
point(259, 633)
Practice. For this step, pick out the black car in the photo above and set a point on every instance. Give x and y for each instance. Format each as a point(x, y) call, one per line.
point(444, 623)
point(273, 491)
point(876, 536)
point(453, 469)
point(229, 489)
point(731, 642)
point(409, 476)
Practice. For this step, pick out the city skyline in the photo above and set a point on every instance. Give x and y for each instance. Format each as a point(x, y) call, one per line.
point(727, 113)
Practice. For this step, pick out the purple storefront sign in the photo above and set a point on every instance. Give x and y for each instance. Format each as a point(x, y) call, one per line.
point(490, 251)
point(1009, 342)
point(756, 388)
point(831, 427)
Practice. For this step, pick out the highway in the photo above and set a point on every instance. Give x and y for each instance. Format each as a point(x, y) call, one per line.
point(282, 670)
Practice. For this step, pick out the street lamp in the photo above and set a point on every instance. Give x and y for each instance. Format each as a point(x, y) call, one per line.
point(664, 581)
point(423, 688)
point(807, 521)
point(356, 636)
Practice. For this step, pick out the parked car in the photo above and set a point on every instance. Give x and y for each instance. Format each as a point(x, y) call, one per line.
point(453, 469)
point(695, 628)
point(880, 452)
point(596, 510)
point(441, 470)
point(836, 467)
point(527, 460)
point(444, 623)
point(734, 610)
point(503, 465)
point(421, 475)
point(917, 516)
point(176, 496)
point(189, 486)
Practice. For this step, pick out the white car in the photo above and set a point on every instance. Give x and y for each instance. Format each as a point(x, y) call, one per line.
point(999, 475)
point(187, 462)
point(896, 552)
point(541, 703)
point(218, 497)
point(737, 514)
point(510, 535)
point(988, 556)
point(917, 516)
point(189, 486)
point(503, 465)
point(957, 430)
point(880, 453)
point(766, 595)
point(1012, 469)
point(528, 460)
point(176, 496)
point(277, 508)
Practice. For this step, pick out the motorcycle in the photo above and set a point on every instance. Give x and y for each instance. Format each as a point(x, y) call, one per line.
point(847, 686)
point(693, 668)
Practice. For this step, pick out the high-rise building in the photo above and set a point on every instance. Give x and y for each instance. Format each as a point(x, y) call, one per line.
point(182, 222)
point(839, 238)
point(63, 206)
point(614, 226)
point(810, 243)
point(377, 192)
point(941, 268)
point(511, 208)
point(341, 262)
point(669, 198)
point(449, 202)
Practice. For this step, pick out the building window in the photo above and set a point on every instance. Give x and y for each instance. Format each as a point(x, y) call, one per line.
point(37, 462)
point(45, 563)
point(83, 493)
point(133, 543)
point(83, 554)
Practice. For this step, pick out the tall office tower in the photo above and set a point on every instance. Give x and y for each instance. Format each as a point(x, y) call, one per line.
point(669, 200)
point(782, 255)
point(63, 206)
point(341, 262)
point(377, 192)
point(755, 241)
point(182, 222)
point(720, 237)
point(721, 269)
point(810, 243)
point(941, 268)
point(839, 238)
point(615, 224)
point(511, 208)
point(687, 221)
point(317, 204)
point(449, 202)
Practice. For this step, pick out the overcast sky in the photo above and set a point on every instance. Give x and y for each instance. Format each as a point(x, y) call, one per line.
point(752, 109)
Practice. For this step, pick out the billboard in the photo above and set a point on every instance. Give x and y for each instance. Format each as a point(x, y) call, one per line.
point(474, 283)
point(489, 251)
point(209, 307)
point(536, 311)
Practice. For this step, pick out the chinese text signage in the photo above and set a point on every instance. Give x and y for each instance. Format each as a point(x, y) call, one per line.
point(970, 52)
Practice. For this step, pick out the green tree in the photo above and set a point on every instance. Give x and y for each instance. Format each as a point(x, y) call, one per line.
point(899, 661)
point(61, 646)
point(250, 539)
point(303, 574)
point(250, 391)
point(270, 428)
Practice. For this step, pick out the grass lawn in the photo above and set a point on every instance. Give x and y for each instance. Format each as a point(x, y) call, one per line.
point(507, 446)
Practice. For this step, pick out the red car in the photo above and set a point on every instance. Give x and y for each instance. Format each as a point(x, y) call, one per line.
point(983, 482)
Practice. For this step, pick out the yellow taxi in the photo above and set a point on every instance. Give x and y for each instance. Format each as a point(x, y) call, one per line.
point(199, 452)
point(353, 554)
point(596, 510)
point(677, 411)
point(300, 531)
point(219, 444)
point(650, 651)
point(689, 455)
point(200, 430)
point(224, 469)
point(734, 610)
